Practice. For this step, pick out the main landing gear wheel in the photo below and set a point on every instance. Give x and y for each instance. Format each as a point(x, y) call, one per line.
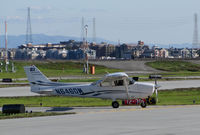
point(143, 104)
point(115, 104)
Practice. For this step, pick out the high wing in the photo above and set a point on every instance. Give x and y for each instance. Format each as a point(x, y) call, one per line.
point(115, 76)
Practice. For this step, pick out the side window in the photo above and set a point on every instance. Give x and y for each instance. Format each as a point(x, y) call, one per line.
point(119, 83)
point(105, 84)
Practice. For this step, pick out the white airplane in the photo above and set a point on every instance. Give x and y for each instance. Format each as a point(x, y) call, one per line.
point(115, 86)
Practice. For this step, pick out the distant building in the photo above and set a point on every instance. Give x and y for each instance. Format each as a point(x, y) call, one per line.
point(22, 54)
point(76, 50)
point(91, 54)
point(175, 53)
point(76, 54)
point(148, 54)
point(161, 53)
point(185, 53)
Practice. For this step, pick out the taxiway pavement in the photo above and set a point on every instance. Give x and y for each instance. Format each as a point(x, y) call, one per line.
point(163, 120)
point(16, 91)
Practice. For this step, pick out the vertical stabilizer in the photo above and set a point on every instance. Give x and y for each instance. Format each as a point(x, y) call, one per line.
point(34, 75)
point(37, 79)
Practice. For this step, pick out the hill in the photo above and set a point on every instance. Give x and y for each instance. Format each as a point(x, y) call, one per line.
point(15, 41)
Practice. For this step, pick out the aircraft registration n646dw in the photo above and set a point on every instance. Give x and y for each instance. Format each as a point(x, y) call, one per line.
point(112, 86)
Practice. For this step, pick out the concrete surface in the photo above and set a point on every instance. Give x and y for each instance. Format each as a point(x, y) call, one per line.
point(168, 120)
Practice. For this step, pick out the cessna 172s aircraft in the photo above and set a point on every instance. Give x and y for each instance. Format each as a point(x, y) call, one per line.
point(112, 86)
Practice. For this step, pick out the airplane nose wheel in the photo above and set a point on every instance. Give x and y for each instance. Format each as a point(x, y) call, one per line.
point(143, 104)
point(115, 104)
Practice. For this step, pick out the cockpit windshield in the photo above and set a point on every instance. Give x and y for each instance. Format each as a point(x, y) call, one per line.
point(97, 82)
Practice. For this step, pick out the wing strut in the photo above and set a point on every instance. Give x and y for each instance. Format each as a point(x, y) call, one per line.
point(126, 87)
point(156, 89)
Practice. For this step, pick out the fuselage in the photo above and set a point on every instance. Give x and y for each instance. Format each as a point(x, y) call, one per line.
point(136, 90)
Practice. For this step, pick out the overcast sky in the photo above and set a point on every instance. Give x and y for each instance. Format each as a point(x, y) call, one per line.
point(153, 21)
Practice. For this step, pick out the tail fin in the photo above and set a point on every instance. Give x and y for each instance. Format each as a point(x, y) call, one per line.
point(34, 74)
point(35, 77)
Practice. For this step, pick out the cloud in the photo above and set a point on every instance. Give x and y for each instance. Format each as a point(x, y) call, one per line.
point(15, 19)
point(93, 10)
point(42, 9)
point(44, 19)
point(38, 9)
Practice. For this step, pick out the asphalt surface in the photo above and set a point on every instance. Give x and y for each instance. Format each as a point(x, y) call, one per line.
point(162, 120)
point(25, 91)
point(127, 65)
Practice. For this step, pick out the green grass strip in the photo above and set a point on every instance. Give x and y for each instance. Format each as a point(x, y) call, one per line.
point(52, 68)
point(175, 66)
point(54, 101)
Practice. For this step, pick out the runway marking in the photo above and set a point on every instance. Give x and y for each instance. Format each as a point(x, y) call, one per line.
point(138, 109)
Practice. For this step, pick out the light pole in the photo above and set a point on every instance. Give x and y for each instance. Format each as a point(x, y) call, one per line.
point(86, 48)
point(6, 50)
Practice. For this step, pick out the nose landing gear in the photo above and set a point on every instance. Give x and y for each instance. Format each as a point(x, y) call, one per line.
point(143, 104)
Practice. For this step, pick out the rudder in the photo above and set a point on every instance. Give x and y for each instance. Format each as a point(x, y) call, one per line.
point(34, 75)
